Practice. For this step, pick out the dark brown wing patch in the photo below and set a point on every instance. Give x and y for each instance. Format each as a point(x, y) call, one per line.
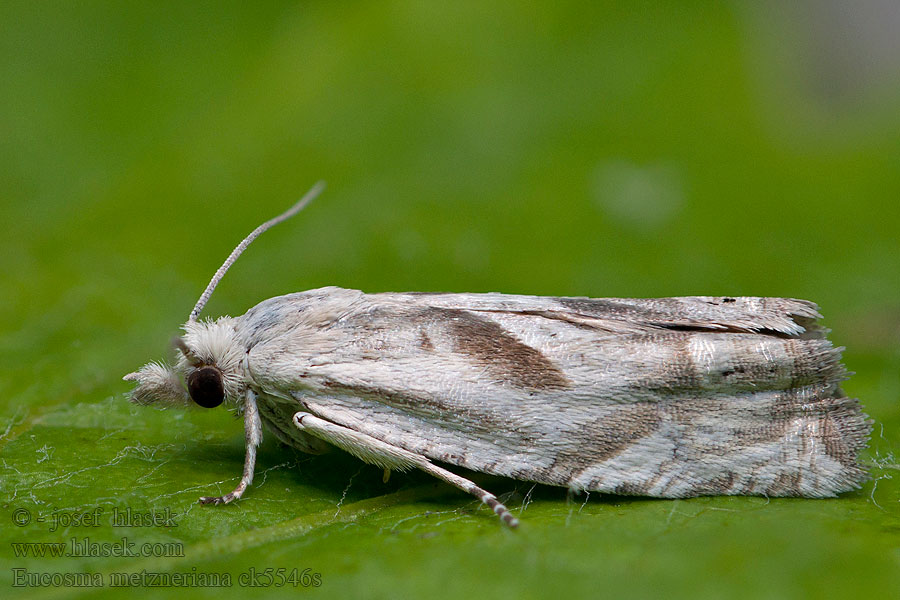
point(488, 344)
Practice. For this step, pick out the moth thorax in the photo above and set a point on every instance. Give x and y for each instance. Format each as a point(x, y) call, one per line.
point(206, 386)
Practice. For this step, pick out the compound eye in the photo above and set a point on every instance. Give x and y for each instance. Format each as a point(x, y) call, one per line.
point(206, 387)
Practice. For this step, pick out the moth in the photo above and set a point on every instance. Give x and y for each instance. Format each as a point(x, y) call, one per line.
point(666, 397)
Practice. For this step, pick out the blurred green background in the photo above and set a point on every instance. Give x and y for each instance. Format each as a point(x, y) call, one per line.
point(556, 148)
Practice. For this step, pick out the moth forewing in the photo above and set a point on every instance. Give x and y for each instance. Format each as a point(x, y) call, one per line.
point(666, 397)
point(553, 390)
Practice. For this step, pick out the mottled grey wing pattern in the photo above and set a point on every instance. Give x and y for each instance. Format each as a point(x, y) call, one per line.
point(666, 397)
point(777, 315)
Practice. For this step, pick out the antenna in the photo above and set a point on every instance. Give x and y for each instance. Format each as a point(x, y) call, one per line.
point(300, 205)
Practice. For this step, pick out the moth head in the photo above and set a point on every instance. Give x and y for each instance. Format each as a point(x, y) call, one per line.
point(207, 371)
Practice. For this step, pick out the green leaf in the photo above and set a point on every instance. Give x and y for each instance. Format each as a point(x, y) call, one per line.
point(556, 148)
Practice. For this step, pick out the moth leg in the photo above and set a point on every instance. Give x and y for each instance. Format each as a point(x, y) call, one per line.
point(387, 456)
point(470, 487)
point(253, 435)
